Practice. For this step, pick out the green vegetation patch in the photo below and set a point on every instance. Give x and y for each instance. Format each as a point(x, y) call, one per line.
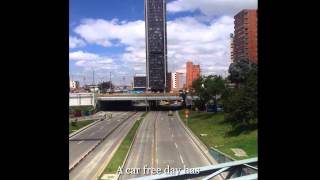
point(79, 125)
point(220, 134)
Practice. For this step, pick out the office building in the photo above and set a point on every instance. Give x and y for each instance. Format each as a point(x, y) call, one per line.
point(156, 44)
point(139, 82)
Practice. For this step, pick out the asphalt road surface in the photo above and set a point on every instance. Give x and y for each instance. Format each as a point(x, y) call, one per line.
point(162, 141)
point(83, 142)
point(89, 167)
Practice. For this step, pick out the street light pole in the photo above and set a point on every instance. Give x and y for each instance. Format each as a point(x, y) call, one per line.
point(146, 102)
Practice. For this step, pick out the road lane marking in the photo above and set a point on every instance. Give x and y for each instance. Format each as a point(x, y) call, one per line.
point(181, 158)
point(92, 133)
point(176, 145)
point(80, 142)
point(172, 135)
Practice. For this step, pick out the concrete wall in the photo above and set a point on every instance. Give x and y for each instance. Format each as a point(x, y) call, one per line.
point(82, 99)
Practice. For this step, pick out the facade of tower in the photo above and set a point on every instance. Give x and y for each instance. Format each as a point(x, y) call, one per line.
point(156, 44)
point(193, 73)
point(245, 36)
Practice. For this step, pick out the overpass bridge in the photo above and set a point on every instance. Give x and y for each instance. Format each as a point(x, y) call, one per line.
point(123, 100)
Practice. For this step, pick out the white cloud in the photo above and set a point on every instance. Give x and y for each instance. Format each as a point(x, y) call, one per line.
point(92, 61)
point(212, 7)
point(189, 38)
point(97, 65)
point(82, 56)
point(203, 43)
point(102, 32)
point(75, 42)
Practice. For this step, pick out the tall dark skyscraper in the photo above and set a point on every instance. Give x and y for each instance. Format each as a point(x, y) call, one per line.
point(156, 44)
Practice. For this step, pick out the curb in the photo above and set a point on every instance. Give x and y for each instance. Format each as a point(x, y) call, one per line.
point(203, 148)
point(84, 118)
point(103, 166)
point(72, 167)
point(83, 128)
point(197, 141)
point(100, 142)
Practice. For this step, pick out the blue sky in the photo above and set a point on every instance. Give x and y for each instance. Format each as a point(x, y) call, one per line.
point(108, 36)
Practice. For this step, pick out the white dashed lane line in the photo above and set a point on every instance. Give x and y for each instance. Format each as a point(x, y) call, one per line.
point(181, 159)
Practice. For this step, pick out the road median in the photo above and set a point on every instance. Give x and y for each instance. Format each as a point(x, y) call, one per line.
point(123, 151)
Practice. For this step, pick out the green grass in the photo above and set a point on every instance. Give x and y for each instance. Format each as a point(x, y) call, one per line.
point(122, 151)
point(218, 130)
point(79, 125)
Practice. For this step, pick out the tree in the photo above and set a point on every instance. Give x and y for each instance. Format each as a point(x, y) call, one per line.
point(199, 87)
point(239, 71)
point(241, 105)
point(215, 87)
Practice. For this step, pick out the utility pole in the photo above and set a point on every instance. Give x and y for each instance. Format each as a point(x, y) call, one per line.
point(110, 82)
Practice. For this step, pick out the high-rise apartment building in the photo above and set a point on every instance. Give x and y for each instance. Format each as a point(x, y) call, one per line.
point(245, 36)
point(156, 44)
point(193, 73)
point(178, 81)
point(231, 48)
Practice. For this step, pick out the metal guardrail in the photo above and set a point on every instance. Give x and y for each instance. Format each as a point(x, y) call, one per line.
point(142, 94)
point(233, 168)
point(135, 98)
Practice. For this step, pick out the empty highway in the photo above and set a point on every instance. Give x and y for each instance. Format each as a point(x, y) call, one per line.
point(83, 142)
point(162, 141)
point(88, 168)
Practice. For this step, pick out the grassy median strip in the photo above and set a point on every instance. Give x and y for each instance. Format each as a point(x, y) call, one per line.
point(216, 133)
point(79, 125)
point(118, 158)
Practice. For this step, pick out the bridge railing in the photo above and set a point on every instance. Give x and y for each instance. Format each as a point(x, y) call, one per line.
point(142, 94)
point(234, 170)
